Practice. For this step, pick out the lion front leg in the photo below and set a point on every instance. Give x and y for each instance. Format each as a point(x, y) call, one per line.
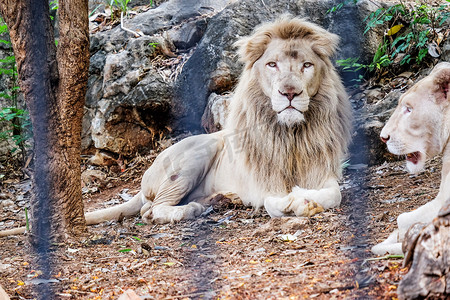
point(424, 214)
point(305, 202)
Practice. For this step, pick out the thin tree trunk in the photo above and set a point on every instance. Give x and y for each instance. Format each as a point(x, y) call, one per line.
point(73, 69)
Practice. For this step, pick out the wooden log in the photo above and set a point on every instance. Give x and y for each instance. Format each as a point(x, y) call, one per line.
point(427, 249)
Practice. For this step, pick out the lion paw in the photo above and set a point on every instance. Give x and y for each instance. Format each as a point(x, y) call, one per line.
point(309, 209)
point(312, 208)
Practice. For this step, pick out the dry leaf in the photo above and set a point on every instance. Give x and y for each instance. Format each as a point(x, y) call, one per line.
point(394, 29)
point(434, 50)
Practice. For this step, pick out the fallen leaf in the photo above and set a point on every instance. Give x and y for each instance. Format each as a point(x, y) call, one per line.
point(287, 237)
point(395, 29)
point(125, 250)
point(38, 281)
point(434, 50)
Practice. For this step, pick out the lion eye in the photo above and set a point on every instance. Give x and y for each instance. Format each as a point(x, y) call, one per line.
point(272, 64)
point(307, 65)
point(408, 109)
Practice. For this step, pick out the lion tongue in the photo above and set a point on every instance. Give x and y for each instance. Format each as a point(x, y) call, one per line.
point(413, 157)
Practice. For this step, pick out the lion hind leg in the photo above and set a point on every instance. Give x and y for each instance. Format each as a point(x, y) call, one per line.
point(165, 208)
point(178, 175)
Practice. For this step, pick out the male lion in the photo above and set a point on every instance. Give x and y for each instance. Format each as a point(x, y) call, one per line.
point(283, 143)
point(282, 147)
point(420, 128)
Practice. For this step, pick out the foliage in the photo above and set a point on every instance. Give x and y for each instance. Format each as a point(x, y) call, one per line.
point(340, 5)
point(122, 5)
point(53, 7)
point(411, 30)
point(16, 119)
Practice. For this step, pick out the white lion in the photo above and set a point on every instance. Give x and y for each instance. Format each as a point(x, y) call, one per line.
point(284, 140)
point(420, 128)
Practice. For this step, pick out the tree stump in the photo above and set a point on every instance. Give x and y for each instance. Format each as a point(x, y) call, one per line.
point(427, 246)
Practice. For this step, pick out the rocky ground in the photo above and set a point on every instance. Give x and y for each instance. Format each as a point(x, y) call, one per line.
point(230, 253)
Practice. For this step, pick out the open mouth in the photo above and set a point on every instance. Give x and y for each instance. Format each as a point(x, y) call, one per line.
point(413, 157)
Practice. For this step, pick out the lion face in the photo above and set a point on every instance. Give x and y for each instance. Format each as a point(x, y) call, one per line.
point(288, 75)
point(417, 128)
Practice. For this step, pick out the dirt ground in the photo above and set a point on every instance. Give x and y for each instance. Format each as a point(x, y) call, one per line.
point(230, 253)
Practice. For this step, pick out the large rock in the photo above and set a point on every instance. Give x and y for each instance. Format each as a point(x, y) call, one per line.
point(133, 96)
point(216, 112)
point(129, 102)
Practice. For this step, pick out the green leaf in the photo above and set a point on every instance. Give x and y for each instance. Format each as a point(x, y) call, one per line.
point(125, 250)
point(136, 238)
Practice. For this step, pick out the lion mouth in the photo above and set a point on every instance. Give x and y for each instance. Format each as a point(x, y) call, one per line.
point(287, 108)
point(413, 157)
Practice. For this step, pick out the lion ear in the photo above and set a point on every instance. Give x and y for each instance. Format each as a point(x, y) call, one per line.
point(325, 44)
point(442, 80)
point(251, 48)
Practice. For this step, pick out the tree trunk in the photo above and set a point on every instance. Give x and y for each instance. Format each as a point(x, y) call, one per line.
point(54, 85)
point(428, 247)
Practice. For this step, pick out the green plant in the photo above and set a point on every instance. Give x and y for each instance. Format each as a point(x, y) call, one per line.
point(53, 7)
point(122, 5)
point(340, 5)
point(16, 119)
point(410, 30)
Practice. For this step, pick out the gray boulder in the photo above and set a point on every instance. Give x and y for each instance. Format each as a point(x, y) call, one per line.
point(129, 102)
point(142, 88)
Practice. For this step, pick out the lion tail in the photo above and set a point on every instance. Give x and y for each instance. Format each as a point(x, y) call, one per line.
point(129, 208)
point(117, 212)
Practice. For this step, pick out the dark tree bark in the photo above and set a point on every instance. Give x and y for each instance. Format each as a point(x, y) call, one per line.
point(427, 246)
point(53, 81)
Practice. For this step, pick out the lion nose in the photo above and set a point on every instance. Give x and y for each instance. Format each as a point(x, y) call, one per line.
point(290, 95)
point(384, 139)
